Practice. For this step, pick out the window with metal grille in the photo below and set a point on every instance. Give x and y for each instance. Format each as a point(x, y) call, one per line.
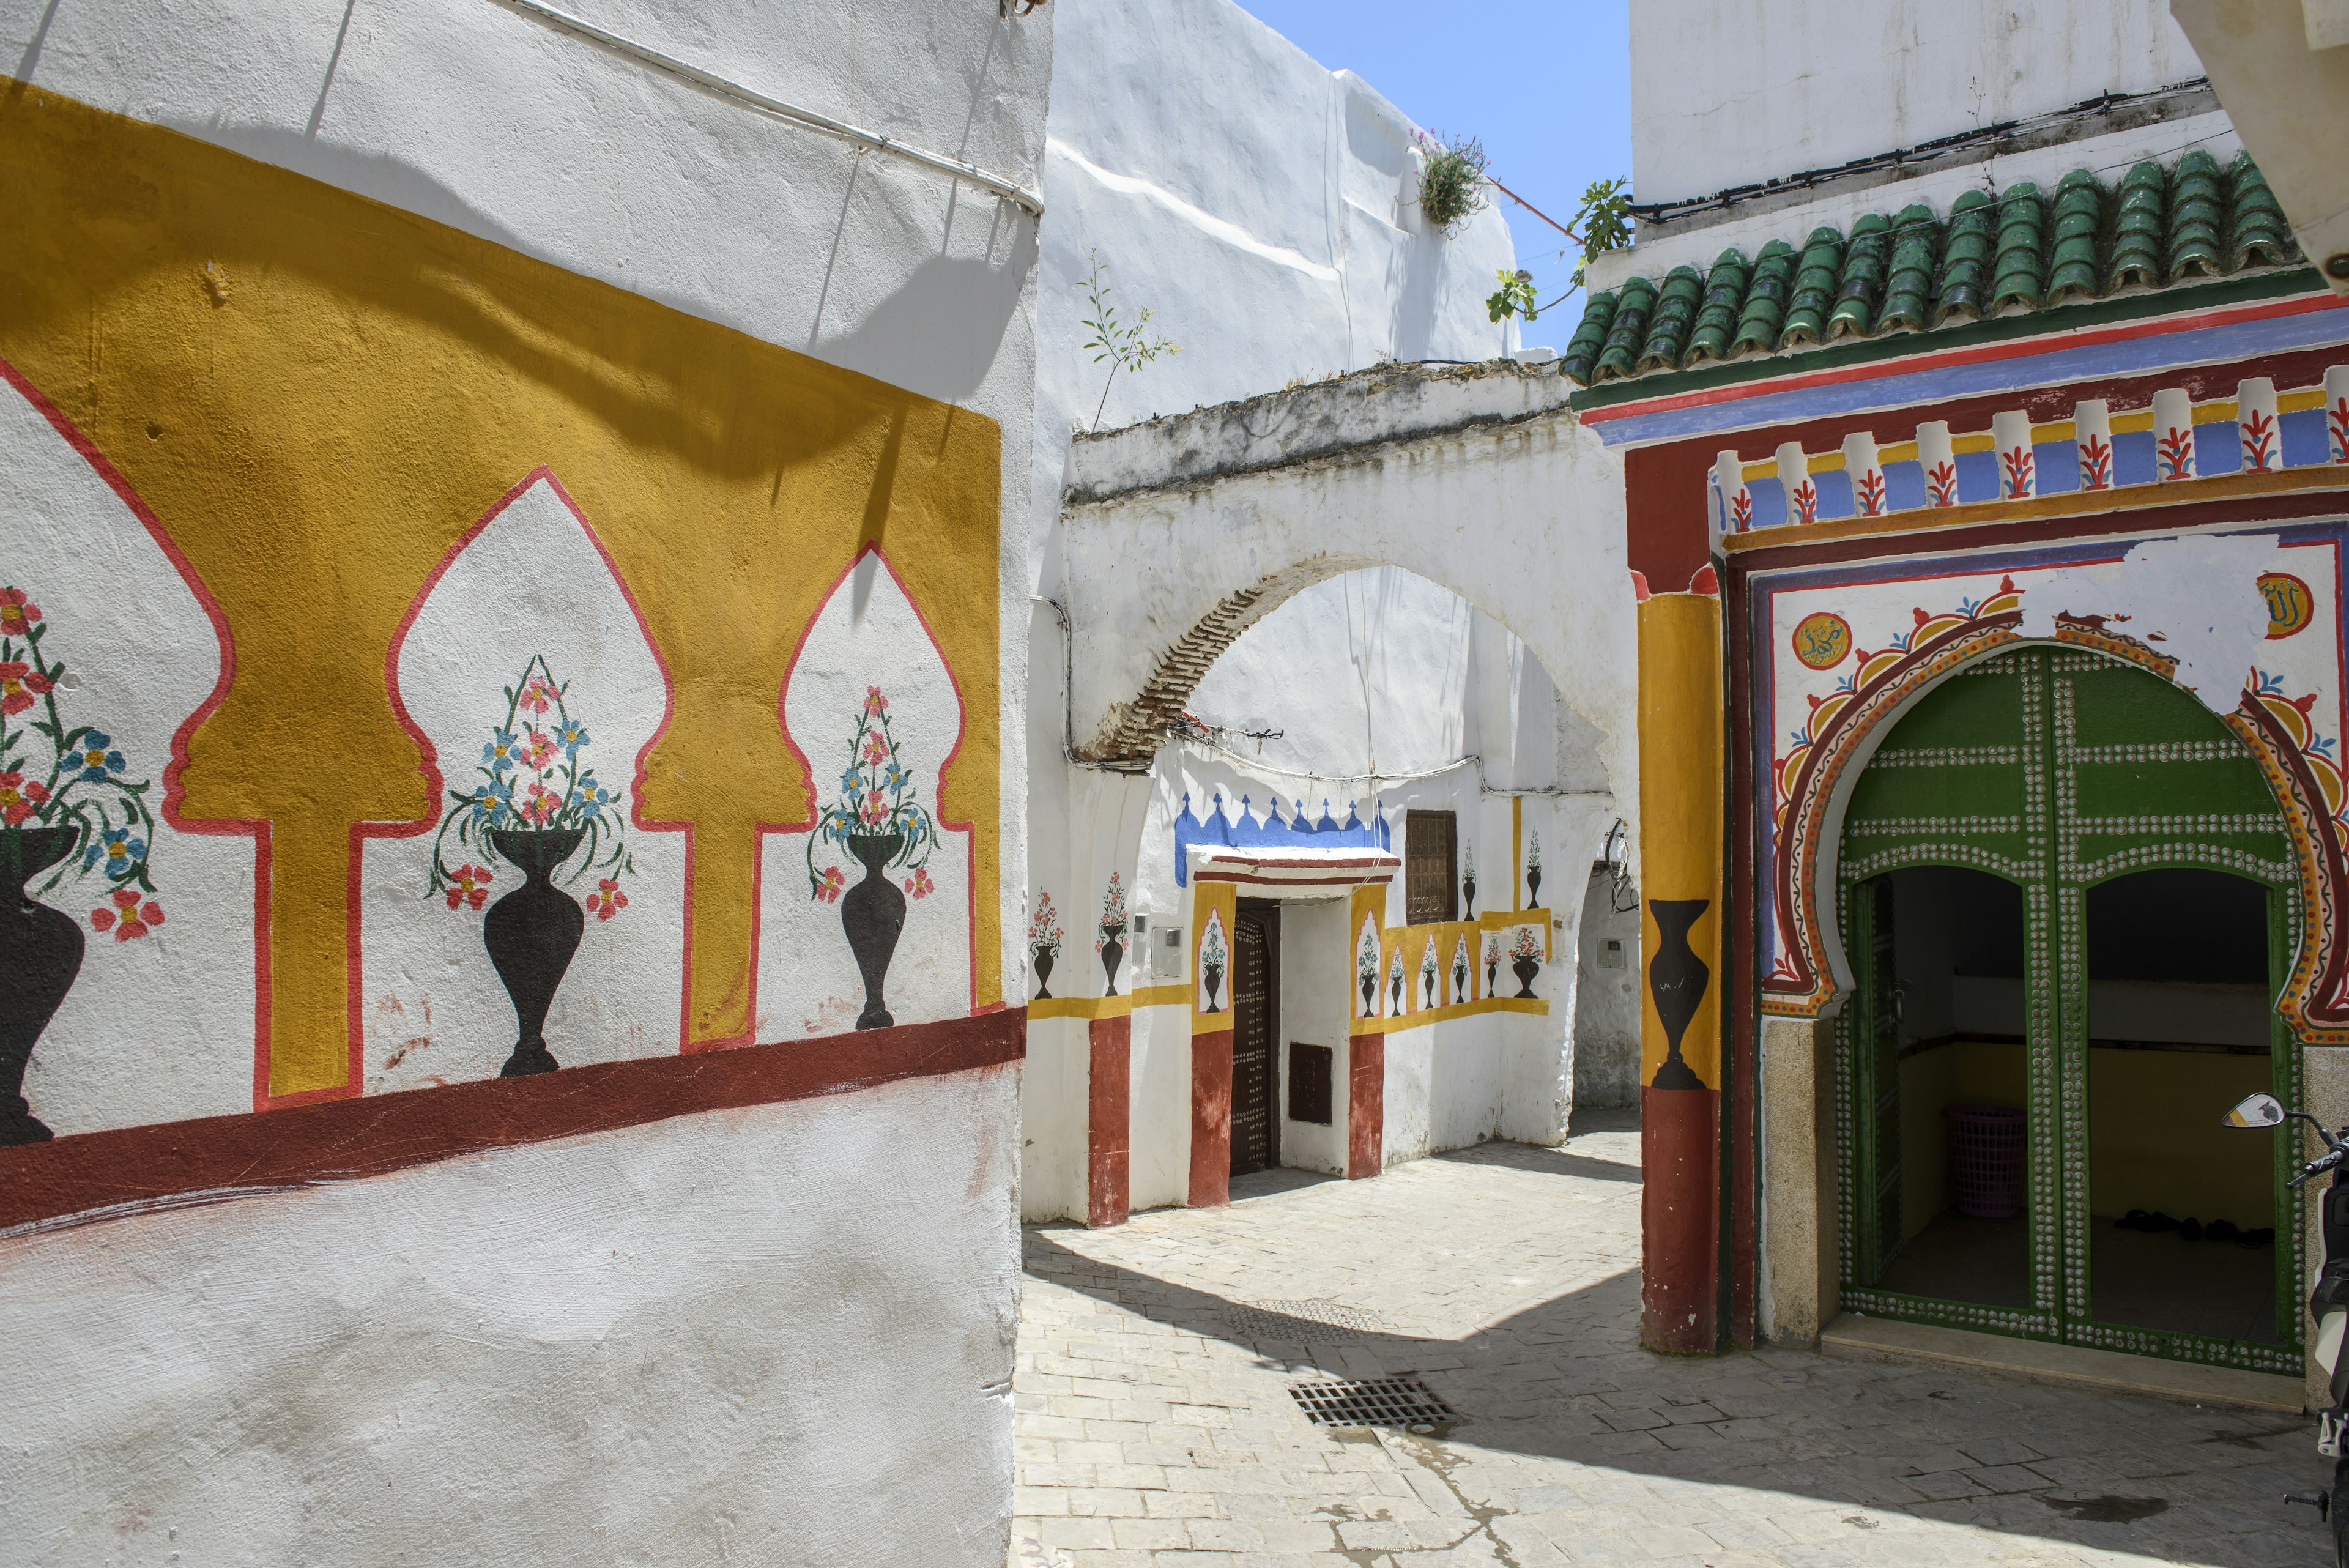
point(1430, 890)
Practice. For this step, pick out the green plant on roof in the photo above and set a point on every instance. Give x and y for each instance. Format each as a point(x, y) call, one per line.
point(1451, 179)
point(1126, 348)
point(1601, 223)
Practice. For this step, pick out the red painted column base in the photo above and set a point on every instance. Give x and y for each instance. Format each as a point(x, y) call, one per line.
point(1211, 1119)
point(1366, 1106)
point(1109, 1180)
point(1679, 1135)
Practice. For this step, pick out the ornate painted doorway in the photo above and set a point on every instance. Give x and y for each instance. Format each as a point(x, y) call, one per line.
point(2066, 895)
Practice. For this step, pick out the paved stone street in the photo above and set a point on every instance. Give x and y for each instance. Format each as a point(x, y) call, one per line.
point(1156, 1427)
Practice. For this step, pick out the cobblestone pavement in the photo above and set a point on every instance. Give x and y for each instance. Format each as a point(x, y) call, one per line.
point(1157, 1425)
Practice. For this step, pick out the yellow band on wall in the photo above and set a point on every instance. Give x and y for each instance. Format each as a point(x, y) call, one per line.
point(1681, 719)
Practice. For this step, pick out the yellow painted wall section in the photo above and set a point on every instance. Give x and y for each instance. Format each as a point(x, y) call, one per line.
point(1681, 807)
point(317, 395)
point(1221, 899)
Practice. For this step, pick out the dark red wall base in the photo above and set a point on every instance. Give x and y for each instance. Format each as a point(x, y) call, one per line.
point(339, 1140)
point(1366, 1106)
point(1211, 1119)
point(1679, 1133)
point(1109, 1178)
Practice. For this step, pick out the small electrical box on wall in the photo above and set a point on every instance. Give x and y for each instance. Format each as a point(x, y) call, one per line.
point(1166, 954)
point(1610, 956)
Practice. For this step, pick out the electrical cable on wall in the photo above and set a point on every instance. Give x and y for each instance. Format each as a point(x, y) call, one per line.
point(776, 108)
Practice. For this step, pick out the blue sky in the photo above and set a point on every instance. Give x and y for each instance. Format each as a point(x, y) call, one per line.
point(1544, 86)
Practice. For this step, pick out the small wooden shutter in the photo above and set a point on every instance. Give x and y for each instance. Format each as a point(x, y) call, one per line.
point(1430, 890)
point(1310, 1072)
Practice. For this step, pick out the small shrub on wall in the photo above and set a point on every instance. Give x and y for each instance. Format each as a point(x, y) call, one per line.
point(1451, 181)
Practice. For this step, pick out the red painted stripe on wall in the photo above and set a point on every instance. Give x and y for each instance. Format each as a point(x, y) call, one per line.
point(99, 1175)
point(1109, 1176)
point(1211, 1119)
point(1366, 1106)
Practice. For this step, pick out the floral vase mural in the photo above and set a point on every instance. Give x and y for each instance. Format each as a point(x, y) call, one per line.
point(1366, 967)
point(888, 828)
point(68, 810)
point(1533, 868)
point(550, 931)
point(1460, 969)
point(1492, 963)
point(114, 658)
point(1525, 959)
point(879, 819)
point(1110, 943)
point(1428, 971)
point(1395, 984)
point(1044, 936)
point(538, 803)
point(1468, 882)
point(1215, 959)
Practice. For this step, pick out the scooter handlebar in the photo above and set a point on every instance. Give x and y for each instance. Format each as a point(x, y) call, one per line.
point(2317, 1167)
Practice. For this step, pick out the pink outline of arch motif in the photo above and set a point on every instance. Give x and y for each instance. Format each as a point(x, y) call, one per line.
point(2273, 729)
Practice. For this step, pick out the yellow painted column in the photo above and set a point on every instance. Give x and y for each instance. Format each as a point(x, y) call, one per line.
point(1681, 807)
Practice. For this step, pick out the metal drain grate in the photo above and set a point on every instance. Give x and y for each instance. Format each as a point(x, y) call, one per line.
point(1320, 1318)
point(1372, 1402)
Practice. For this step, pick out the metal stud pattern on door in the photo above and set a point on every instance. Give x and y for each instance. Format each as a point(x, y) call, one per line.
point(2055, 768)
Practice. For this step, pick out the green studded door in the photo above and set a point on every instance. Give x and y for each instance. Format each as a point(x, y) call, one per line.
point(2058, 771)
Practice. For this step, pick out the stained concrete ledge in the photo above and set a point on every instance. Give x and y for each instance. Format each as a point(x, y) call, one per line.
point(1883, 1339)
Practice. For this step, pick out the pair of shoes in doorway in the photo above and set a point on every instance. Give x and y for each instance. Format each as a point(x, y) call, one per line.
point(2192, 1230)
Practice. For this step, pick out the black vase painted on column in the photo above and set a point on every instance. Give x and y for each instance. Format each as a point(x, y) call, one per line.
point(1525, 969)
point(1676, 981)
point(1492, 969)
point(1459, 981)
point(532, 934)
point(1213, 973)
point(1113, 952)
point(1533, 886)
point(1043, 959)
point(872, 913)
point(1394, 990)
point(40, 954)
point(1370, 993)
point(1468, 894)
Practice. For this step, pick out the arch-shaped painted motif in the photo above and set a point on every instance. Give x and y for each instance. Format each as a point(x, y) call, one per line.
point(1813, 785)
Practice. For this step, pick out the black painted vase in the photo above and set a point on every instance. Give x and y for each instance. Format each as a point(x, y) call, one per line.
point(1525, 969)
point(40, 954)
point(1394, 992)
point(531, 933)
point(1468, 893)
point(1112, 950)
point(1370, 992)
point(1676, 980)
point(872, 913)
point(1459, 980)
point(1042, 958)
point(1491, 971)
point(1533, 886)
point(1215, 973)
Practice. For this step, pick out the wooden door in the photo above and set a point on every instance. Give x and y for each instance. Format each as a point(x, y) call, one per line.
point(1255, 1124)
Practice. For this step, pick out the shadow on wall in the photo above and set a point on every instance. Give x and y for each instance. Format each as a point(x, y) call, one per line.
point(938, 333)
point(1607, 1000)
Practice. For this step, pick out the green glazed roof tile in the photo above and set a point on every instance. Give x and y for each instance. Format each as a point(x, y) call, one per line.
point(1668, 324)
point(1765, 299)
point(2004, 254)
point(2019, 277)
point(2136, 228)
point(1865, 262)
point(2072, 271)
point(1909, 285)
point(1626, 332)
point(2257, 234)
point(1965, 260)
point(1815, 275)
point(2198, 209)
point(1589, 337)
point(1717, 316)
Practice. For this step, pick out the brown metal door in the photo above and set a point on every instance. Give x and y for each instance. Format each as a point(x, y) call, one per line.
point(1255, 1129)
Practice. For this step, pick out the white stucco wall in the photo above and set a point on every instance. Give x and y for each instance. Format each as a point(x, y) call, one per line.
point(779, 1335)
point(1314, 1010)
point(1607, 1000)
point(1728, 94)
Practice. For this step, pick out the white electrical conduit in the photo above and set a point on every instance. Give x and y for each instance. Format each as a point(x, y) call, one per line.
point(823, 124)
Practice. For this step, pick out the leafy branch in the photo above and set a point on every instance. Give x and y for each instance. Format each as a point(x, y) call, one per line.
point(1126, 348)
point(1601, 222)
